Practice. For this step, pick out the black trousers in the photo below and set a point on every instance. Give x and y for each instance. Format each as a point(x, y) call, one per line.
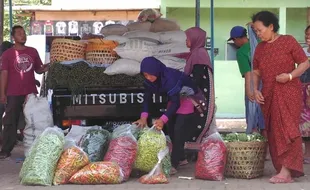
point(10, 121)
point(2, 109)
point(178, 129)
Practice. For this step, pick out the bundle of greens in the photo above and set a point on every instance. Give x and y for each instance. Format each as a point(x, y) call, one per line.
point(242, 137)
point(80, 75)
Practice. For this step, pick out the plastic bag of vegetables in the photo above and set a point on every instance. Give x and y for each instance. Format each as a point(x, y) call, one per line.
point(123, 130)
point(211, 160)
point(71, 161)
point(39, 167)
point(156, 175)
point(123, 151)
point(149, 144)
point(98, 173)
point(95, 143)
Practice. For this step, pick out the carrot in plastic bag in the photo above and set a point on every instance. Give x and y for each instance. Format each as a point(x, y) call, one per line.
point(71, 161)
point(156, 175)
point(98, 173)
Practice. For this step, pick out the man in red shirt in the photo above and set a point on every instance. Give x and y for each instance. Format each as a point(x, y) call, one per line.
point(17, 81)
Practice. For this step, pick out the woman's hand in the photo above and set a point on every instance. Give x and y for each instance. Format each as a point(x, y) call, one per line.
point(259, 98)
point(159, 124)
point(283, 78)
point(142, 122)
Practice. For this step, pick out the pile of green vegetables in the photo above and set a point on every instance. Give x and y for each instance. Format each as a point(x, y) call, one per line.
point(242, 137)
point(80, 75)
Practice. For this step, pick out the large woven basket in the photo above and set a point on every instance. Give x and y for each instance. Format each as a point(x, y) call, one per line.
point(67, 50)
point(245, 160)
point(100, 51)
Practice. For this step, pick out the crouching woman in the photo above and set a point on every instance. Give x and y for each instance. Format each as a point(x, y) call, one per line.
point(181, 93)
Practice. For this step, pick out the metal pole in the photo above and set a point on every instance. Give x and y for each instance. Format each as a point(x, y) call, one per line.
point(212, 32)
point(11, 18)
point(1, 20)
point(197, 13)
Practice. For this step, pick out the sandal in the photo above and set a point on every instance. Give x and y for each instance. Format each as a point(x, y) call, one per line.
point(173, 171)
point(183, 163)
point(307, 160)
point(278, 180)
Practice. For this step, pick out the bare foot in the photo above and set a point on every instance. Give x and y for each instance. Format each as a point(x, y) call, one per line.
point(279, 179)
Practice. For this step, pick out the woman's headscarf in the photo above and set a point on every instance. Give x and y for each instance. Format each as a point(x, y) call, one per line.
point(5, 46)
point(168, 80)
point(198, 54)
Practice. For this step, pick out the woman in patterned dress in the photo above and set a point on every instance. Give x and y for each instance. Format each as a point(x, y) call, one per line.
point(305, 113)
point(280, 98)
point(199, 68)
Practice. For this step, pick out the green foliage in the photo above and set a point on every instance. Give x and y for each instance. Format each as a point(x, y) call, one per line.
point(23, 21)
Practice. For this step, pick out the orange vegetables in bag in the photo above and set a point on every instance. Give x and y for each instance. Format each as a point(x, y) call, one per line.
point(71, 161)
point(98, 173)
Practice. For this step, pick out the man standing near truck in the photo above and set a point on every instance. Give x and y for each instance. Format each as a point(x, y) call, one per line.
point(17, 81)
point(238, 35)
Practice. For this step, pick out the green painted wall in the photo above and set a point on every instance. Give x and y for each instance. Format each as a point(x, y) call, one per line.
point(229, 86)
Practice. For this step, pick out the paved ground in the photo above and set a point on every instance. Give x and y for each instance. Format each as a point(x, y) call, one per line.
point(9, 170)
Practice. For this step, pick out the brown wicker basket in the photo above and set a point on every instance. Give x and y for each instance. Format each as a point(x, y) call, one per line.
point(101, 51)
point(245, 160)
point(67, 50)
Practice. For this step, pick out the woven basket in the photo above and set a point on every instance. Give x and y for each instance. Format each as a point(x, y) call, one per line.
point(245, 160)
point(67, 50)
point(100, 51)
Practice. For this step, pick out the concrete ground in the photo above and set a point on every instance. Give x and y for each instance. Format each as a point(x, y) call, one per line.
point(9, 170)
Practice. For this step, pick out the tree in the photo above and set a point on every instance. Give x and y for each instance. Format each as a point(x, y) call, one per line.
point(23, 21)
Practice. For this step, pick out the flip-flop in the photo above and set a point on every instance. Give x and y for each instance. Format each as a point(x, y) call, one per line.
point(278, 180)
point(307, 160)
point(183, 163)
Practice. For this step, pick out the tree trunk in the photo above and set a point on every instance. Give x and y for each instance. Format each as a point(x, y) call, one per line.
point(308, 16)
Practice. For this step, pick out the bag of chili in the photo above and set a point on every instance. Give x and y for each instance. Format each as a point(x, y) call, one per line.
point(211, 160)
point(98, 173)
point(123, 151)
point(156, 175)
point(72, 159)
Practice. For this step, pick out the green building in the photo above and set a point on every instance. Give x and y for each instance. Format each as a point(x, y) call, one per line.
point(229, 86)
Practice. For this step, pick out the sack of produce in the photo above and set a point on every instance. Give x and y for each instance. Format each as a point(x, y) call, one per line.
point(211, 160)
point(114, 29)
point(149, 145)
point(71, 161)
point(39, 167)
point(172, 37)
point(170, 49)
point(124, 66)
point(149, 15)
point(172, 62)
point(38, 117)
point(123, 151)
point(245, 155)
point(77, 132)
point(123, 130)
point(169, 143)
point(119, 39)
point(156, 175)
point(98, 173)
point(95, 143)
point(139, 26)
point(164, 25)
point(136, 49)
point(143, 35)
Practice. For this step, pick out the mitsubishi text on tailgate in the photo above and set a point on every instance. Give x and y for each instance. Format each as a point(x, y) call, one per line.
point(102, 106)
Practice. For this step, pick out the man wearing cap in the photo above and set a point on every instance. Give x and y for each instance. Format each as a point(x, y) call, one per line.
point(238, 35)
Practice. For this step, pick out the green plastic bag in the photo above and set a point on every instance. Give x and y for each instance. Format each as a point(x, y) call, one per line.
point(40, 165)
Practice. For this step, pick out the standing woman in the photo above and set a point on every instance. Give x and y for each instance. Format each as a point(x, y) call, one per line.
point(199, 68)
point(280, 99)
point(305, 114)
point(160, 79)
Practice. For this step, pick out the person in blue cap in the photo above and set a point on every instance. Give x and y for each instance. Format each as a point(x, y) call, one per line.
point(238, 35)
